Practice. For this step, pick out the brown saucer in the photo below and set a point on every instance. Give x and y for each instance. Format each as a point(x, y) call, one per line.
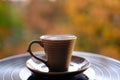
point(77, 65)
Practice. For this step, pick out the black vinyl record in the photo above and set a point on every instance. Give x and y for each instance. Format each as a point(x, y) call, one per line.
point(102, 68)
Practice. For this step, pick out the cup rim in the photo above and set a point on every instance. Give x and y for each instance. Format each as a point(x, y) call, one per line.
point(57, 37)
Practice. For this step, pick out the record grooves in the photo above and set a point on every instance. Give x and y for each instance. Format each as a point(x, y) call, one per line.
point(105, 68)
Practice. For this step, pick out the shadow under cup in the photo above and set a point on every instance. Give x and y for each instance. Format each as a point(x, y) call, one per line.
point(58, 50)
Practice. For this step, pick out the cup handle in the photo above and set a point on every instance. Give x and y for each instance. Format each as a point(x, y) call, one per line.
point(29, 50)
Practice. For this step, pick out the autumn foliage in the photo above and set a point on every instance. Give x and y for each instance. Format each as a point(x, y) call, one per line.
point(96, 23)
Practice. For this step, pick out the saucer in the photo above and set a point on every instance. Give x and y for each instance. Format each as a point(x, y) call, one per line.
point(77, 65)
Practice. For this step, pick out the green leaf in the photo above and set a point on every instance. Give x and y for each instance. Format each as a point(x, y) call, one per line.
point(5, 20)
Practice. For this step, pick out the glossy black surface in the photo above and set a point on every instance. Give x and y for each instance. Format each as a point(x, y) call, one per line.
point(77, 77)
point(14, 68)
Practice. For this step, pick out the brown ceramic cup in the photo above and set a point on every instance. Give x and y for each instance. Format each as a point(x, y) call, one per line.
point(58, 50)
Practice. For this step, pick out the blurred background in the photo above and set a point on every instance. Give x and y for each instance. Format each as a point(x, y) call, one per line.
point(96, 23)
